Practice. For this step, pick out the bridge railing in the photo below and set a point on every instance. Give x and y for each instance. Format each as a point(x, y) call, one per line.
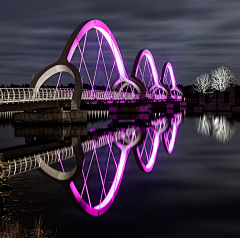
point(176, 97)
point(107, 95)
point(28, 163)
point(24, 95)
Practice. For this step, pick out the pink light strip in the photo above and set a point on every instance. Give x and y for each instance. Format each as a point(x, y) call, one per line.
point(84, 44)
point(105, 175)
point(171, 144)
point(155, 145)
point(60, 161)
point(175, 121)
point(108, 79)
point(89, 78)
point(58, 81)
point(103, 206)
point(99, 25)
point(99, 52)
point(106, 203)
point(150, 58)
point(172, 77)
point(149, 166)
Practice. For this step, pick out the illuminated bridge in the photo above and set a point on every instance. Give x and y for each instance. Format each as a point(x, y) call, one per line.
point(105, 68)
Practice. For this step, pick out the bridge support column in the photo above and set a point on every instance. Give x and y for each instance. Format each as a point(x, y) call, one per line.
point(44, 116)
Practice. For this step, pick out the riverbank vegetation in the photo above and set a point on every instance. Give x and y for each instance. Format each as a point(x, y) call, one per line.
point(13, 229)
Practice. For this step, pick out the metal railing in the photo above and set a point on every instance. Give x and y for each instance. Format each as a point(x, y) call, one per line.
point(107, 95)
point(28, 163)
point(26, 95)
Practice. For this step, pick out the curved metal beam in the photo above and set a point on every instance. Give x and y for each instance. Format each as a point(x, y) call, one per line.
point(136, 83)
point(168, 67)
point(136, 65)
point(61, 66)
point(65, 176)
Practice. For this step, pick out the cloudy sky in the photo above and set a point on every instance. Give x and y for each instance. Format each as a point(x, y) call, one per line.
point(195, 36)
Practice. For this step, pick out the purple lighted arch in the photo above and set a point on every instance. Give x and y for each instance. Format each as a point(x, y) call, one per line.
point(175, 122)
point(136, 66)
point(108, 200)
point(103, 28)
point(168, 68)
point(150, 58)
point(104, 205)
point(77, 35)
point(150, 164)
point(156, 142)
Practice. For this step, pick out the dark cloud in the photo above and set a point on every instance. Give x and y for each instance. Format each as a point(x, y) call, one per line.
point(193, 35)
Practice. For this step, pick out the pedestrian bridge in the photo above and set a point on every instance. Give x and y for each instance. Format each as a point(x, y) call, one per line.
point(26, 95)
point(144, 82)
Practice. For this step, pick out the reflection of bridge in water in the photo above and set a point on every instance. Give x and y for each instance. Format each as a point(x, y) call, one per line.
point(100, 154)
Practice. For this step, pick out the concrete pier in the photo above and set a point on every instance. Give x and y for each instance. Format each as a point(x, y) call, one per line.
point(54, 115)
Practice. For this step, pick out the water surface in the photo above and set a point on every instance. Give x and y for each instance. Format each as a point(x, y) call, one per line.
point(191, 192)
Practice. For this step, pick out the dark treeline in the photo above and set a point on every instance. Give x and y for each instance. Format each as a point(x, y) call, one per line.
point(189, 91)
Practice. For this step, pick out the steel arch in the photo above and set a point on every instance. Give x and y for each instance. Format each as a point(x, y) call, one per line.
point(168, 67)
point(136, 65)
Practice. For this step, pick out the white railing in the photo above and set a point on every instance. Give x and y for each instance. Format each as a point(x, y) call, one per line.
point(28, 163)
point(176, 97)
point(25, 95)
point(107, 95)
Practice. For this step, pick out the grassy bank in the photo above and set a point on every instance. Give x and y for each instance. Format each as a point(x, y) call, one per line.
point(13, 229)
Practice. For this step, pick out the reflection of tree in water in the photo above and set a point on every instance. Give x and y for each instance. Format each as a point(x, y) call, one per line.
point(219, 128)
point(203, 125)
point(223, 131)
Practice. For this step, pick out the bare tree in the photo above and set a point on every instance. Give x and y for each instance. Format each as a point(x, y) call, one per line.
point(202, 83)
point(222, 78)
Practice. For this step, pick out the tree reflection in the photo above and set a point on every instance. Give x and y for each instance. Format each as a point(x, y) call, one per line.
point(203, 125)
point(219, 128)
point(223, 131)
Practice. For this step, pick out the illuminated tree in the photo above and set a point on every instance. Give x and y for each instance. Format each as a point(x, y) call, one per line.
point(222, 78)
point(202, 83)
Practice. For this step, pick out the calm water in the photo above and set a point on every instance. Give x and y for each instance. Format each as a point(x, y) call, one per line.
point(191, 191)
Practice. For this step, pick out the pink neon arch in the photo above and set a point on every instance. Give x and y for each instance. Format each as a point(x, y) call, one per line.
point(175, 122)
point(103, 28)
point(157, 83)
point(150, 164)
point(168, 67)
point(103, 206)
point(108, 200)
point(150, 58)
point(156, 142)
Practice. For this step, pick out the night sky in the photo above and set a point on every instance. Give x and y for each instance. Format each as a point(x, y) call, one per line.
point(195, 36)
